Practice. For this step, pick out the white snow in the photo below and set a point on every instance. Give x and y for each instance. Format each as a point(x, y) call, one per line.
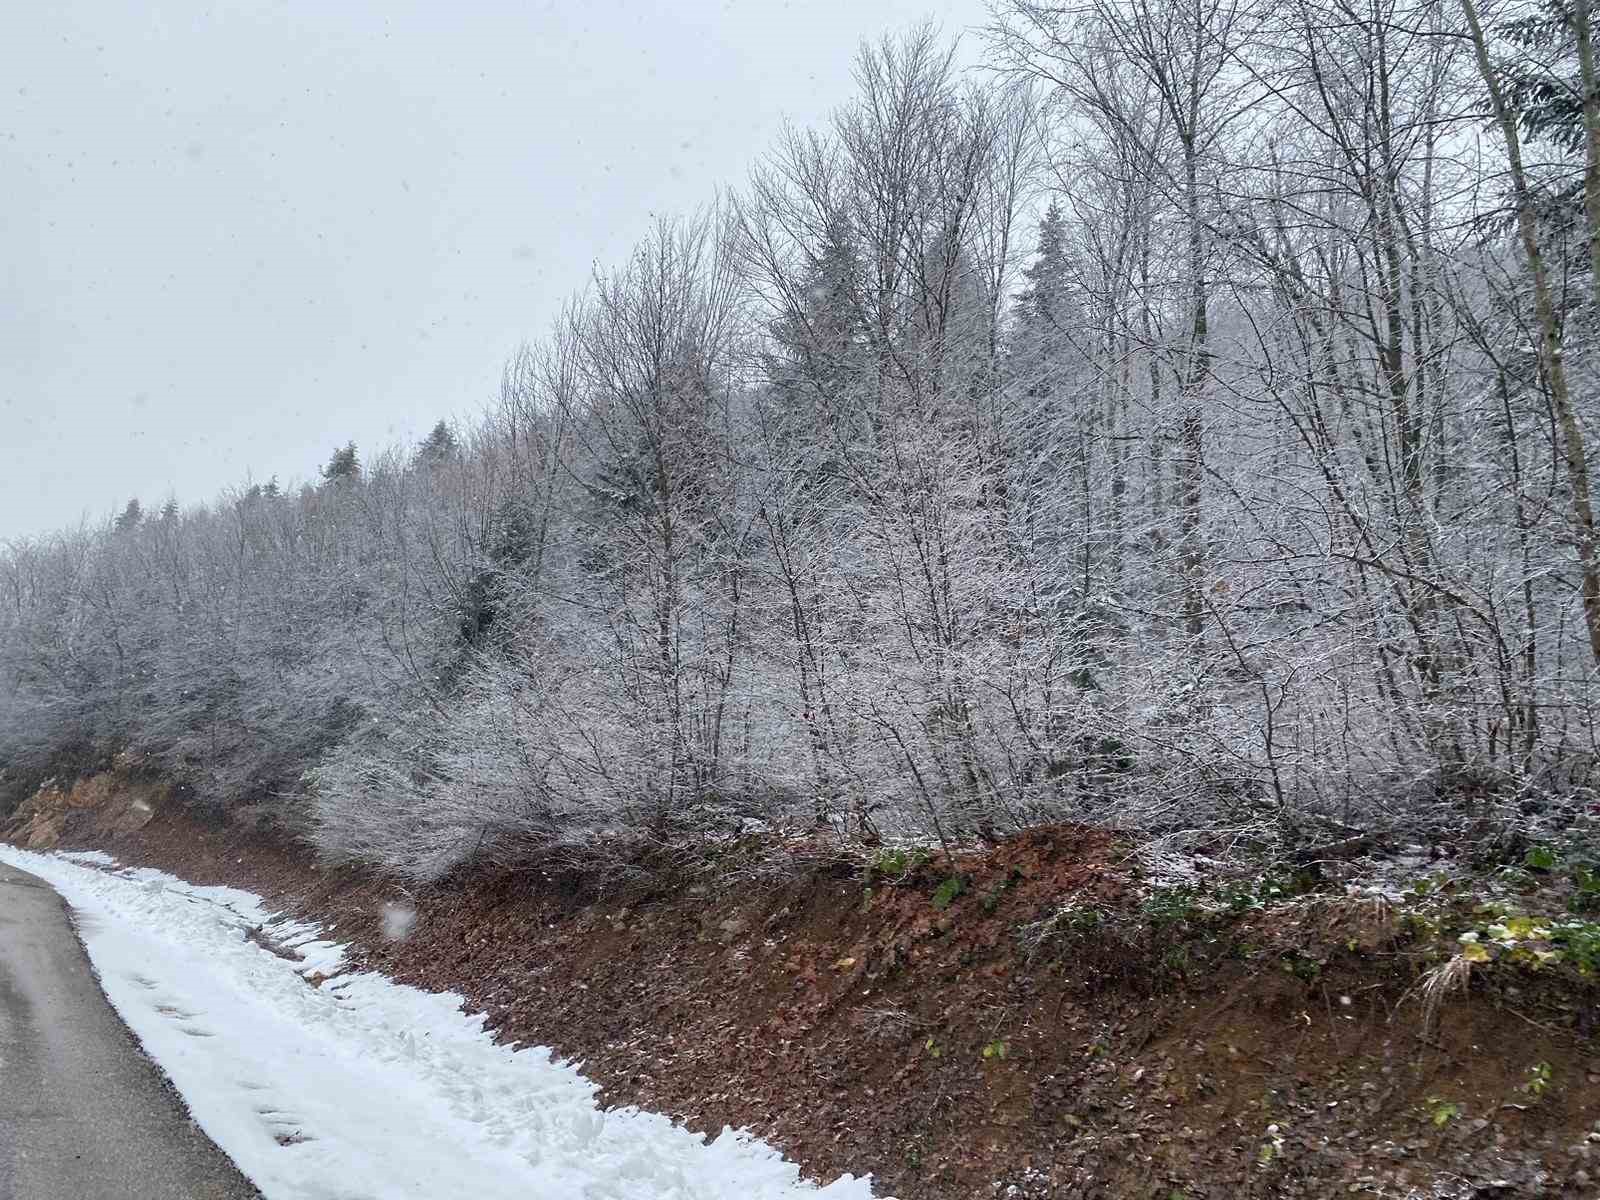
point(94, 858)
point(359, 1088)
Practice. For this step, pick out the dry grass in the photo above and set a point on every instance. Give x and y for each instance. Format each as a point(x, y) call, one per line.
point(887, 1023)
point(1438, 983)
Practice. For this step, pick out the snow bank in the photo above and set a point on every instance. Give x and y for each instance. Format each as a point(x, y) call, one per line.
point(364, 1089)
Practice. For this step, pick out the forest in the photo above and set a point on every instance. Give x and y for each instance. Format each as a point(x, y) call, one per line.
point(1176, 421)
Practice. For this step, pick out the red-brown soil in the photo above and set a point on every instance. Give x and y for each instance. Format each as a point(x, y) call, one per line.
point(861, 1026)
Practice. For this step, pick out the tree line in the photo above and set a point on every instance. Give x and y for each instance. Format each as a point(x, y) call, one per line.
point(1179, 421)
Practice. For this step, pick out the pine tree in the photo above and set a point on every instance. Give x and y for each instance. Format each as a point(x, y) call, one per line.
point(1040, 344)
point(822, 339)
point(130, 516)
point(343, 466)
point(439, 446)
point(821, 367)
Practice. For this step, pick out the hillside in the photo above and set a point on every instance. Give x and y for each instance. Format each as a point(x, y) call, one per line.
point(1046, 643)
point(1020, 446)
point(1053, 1023)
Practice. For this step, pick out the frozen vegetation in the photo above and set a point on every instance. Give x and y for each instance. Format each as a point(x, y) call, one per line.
point(1182, 425)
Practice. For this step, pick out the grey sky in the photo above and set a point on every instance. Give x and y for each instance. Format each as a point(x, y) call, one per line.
point(234, 235)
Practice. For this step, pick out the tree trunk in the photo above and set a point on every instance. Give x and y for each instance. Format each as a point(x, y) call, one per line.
point(1550, 349)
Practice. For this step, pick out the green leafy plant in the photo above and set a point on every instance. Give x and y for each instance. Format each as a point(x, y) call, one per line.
point(1540, 858)
point(945, 894)
point(1172, 906)
point(1519, 878)
point(1238, 900)
point(1518, 927)
point(1441, 1111)
point(1083, 918)
point(1579, 942)
point(992, 897)
point(1175, 960)
point(1431, 885)
point(933, 1048)
point(1419, 925)
point(1301, 966)
point(897, 862)
point(995, 1049)
point(1586, 888)
point(1540, 1080)
point(1272, 1147)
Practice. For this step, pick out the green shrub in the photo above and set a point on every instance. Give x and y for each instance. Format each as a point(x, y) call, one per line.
point(945, 895)
point(1172, 906)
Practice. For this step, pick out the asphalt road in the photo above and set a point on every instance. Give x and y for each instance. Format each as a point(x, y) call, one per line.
point(84, 1115)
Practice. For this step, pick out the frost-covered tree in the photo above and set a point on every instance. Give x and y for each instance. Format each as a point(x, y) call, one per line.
point(1182, 427)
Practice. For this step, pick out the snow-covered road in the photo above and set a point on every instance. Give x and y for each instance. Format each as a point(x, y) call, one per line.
point(360, 1088)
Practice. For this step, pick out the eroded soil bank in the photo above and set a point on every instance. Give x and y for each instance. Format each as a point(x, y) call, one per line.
point(1029, 1021)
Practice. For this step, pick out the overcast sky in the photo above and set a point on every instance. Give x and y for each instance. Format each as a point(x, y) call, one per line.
point(233, 236)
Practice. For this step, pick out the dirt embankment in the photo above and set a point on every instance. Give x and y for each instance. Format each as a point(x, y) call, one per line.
point(100, 806)
point(1025, 1024)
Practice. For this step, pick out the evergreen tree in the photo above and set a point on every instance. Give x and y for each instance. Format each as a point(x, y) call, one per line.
point(821, 368)
point(130, 516)
point(439, 446)
point(1040, 343)
point(821, 340)
point(1543, 82)
point(343, 466)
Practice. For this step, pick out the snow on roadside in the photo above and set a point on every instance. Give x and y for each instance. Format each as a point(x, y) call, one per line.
point(359, 1088)
point(93, 858)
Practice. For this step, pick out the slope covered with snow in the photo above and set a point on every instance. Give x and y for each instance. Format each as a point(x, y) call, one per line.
point(359, 1088)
